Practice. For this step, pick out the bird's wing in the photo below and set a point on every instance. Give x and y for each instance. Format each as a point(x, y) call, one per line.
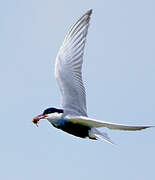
point(68, 68)
point(96, 123)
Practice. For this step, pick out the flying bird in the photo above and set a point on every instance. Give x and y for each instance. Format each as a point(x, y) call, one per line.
point(73, 118)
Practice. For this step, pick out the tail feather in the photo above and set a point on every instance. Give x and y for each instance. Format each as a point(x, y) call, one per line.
point(94, 133)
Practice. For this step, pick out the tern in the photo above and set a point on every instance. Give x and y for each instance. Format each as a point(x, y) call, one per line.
point(73, 118)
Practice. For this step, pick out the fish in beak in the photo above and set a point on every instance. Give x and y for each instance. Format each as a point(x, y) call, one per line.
point(37, 118)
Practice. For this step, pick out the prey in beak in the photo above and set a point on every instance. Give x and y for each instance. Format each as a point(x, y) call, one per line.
point(37, 118)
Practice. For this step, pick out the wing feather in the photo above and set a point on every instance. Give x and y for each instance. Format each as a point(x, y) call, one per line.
point(68, 68)
point(96, 123)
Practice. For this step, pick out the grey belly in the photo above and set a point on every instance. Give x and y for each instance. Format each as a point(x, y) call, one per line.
point(75, 129)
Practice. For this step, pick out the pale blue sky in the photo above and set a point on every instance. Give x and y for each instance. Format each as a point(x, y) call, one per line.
point(119, 73)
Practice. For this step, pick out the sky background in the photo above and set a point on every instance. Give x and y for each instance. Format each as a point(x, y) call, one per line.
point(119, 75)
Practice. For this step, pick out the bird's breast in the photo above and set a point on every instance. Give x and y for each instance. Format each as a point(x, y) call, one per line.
point(72, 128)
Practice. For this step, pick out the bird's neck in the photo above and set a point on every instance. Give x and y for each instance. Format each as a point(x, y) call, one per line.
point(54, 118)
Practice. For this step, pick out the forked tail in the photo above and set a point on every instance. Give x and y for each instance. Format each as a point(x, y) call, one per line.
point(95, 134)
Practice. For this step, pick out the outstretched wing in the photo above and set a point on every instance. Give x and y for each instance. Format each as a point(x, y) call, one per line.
point(96, 123)
point(68, 68)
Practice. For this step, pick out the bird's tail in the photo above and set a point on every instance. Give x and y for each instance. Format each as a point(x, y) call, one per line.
point(95, 134)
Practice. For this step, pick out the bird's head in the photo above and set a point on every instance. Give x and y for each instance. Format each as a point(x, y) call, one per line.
point(49, 113)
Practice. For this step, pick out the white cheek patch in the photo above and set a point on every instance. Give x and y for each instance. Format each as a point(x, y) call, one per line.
point(55, 115)
point(54, 118)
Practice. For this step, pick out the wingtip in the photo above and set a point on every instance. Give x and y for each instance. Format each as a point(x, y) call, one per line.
point(146, 127)
point(89, 12)
point(151, 127)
